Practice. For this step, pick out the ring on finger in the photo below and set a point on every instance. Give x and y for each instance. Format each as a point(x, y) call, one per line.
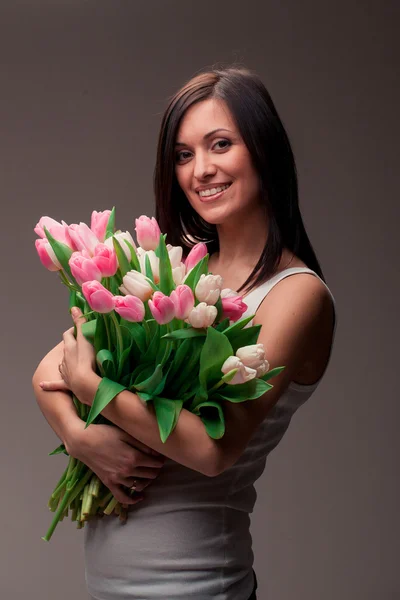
point(133, 487)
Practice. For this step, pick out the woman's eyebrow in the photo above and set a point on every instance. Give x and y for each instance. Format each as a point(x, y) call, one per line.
point(207, 135)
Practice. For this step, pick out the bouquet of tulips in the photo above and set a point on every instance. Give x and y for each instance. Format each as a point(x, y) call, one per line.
point(163, 328)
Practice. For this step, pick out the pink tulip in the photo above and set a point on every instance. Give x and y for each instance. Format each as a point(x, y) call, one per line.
point(98, 298)
point(46, 254)
point(147, 232)
point(99, 222)
point(183, 300)
point(106, 260)
point(59, 231)
point(233, 306)
point(162, 308)
point(195, 255)
point(83, 237)
point(130, 308)
point(83, 268)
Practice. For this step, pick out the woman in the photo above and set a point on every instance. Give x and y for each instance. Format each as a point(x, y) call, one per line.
point(225, 175)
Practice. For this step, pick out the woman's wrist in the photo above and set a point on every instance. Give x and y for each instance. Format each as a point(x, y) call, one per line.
point(85, 386)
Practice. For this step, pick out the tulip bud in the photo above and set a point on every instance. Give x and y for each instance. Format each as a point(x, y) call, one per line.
point(162, 308)
point(83, 268)
point(83, 237)
point(183, 300)
point(130, 308)
point(154, 263)
point(147, 232)
point(208, 288)
point(98, 298)
point(195, 255)
point(202, 315)
point(178, 274)
point(46, 254)
point(122, 237)
point(244, 373)
point(136, 284)
point(175, 255)
point(233, 306)
point(106, 260)
point(99, 222)
point(59, 231)
point(253, 356)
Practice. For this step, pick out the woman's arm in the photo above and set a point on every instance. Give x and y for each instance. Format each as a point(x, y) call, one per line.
point(57, 406)
point(189, 444)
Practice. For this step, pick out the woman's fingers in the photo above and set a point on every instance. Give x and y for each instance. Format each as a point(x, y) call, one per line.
point(124, 497)
point(54, 385)
point(140, 484)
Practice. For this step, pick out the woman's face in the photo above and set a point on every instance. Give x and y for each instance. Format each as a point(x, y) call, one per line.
point(209, 155)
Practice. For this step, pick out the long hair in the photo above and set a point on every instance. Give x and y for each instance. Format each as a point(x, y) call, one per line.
point(264, 135)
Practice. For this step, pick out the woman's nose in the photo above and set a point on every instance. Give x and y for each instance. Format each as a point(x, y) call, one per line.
point(203, 167)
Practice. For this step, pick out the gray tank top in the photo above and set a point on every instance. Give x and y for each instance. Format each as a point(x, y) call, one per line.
point(190, 537)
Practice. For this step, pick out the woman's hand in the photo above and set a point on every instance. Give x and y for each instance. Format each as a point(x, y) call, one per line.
point(117, 459)
point(79, 358)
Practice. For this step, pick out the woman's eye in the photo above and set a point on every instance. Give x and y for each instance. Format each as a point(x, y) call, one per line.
point(180, 155)
point(225, 144)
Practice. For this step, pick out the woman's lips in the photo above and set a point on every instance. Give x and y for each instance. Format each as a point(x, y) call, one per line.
point(215, 196)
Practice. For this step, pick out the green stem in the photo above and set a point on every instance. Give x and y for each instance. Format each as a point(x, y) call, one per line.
point(110, 506)
point(105, 317)
point(120, 343)
point(72, 490)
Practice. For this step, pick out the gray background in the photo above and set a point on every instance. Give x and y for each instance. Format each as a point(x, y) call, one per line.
point(83, 88)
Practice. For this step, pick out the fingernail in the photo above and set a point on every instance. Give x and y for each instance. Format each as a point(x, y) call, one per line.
point(41, 384)
point(74, 311)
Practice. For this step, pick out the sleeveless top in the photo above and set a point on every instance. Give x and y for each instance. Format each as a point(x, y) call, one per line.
point(190, 537)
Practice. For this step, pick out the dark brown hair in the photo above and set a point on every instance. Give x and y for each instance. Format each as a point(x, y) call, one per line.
point(263, 133)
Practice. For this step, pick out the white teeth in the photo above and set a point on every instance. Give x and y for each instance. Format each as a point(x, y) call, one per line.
point(213, 191)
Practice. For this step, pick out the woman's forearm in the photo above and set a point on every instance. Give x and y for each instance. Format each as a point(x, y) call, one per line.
point(56, 406)
point(189, 444)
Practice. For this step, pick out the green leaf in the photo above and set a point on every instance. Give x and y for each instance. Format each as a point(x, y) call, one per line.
point(272, 373)
point(144, 396)
point(200, 269)
point(123, 262)
point(251, 390)
point(106, 392)
point(62, 252)
point(151, 352)
point(100, 335)
point(111, 224)
point(138, 334)
point(106, 364)
point(223, 325)
point(59, 450)
point(219, 307)
point(151, 383)
point(212, 415)
point(89, 330)
point(183, 334)
point(148, 271)
point(214, 353)
point(245, 337)
point(238, 325)
point(167, 413)
point(135, 264)
point(187, 375)
point(166, 284)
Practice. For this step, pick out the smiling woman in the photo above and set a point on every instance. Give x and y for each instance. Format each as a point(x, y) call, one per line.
point(225, 176)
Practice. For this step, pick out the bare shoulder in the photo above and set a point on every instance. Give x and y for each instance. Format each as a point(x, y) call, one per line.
point(300, 303)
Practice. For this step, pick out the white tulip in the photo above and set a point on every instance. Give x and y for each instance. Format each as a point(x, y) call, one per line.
point(154, 262)
point(178, 274)
point(208, 288)
point(175, 255)
point(121, 237)
point(228, 293)
point(136, 284)
point(253, 356)
point(244, 373)
point(202, 315)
